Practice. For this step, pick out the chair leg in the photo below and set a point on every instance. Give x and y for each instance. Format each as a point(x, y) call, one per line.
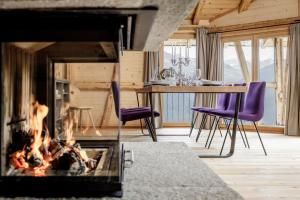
point(229, 127)
point(201, 126)
point(245, 134)
point(227, 132)
point(211, 127)
point(148, 124)
point(193, 124)
point(220, 129)
point(242, 135)
point(212, 137)
point(260, 138)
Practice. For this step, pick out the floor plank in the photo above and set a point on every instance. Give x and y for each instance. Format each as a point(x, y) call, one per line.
point(248, 171)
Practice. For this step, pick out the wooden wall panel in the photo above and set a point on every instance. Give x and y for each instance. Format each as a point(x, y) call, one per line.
point(260, 10)
point(132, 66)
point(83, 77)
point(92, 72)
point(132, 71)
point(90, 86)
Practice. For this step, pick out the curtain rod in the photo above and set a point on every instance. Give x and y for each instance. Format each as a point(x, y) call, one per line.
point(253, 28)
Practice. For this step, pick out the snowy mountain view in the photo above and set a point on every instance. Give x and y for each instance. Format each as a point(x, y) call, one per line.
point(177, 106)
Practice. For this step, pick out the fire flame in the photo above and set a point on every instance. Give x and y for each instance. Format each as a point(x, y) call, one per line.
point(39, 159)
point(38, 115)
point(68, 131)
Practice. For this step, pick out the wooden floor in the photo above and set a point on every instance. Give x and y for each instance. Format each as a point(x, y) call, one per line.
point(249, 171)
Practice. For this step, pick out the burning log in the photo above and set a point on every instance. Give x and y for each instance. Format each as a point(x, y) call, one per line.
point(69, 164)
point(36, 153)
point(56, 149)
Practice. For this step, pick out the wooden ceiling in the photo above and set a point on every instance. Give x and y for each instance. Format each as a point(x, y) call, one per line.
point(256, 14)
point(209, 10)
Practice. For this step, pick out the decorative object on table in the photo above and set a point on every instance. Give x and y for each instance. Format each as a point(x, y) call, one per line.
point(197, 78)
point(180, 61)
point(169, 75)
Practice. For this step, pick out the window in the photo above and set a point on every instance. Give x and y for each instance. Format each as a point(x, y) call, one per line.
point(272, 69)
point(177, 107)
point(237, 61)
point(268, 64)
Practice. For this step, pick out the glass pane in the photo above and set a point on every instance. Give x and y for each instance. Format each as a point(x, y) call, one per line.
point(267, 59)
point(247, 49)
point(272, 59)
point(233, 71)
point(270, 107)
point(78, 109)
point(177, 107)
point(56, 127)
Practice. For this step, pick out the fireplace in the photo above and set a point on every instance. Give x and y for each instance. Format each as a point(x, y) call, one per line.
point(43, 152)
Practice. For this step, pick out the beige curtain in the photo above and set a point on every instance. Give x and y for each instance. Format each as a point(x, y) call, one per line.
point(151, 72)
point(209, 61)
point(292, 124)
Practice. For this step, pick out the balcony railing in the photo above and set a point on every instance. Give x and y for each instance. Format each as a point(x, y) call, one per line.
point(177, 107)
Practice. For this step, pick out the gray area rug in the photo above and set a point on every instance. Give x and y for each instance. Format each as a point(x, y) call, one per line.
point(171, 171)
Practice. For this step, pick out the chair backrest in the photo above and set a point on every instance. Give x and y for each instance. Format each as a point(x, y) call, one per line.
point(116, 95)
point(232, 99)
point(255, 99)
point(223, 100)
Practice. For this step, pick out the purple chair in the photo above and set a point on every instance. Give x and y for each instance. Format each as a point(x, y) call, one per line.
point(231, 108)
point(130, 114)
point(221, 105)
point(253, 109)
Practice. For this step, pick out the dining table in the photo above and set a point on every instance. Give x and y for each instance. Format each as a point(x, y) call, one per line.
point(150, 90)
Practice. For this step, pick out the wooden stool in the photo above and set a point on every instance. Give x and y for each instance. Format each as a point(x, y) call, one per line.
point(81, 109)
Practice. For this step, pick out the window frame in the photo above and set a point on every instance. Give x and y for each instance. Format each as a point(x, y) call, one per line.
point(254, 36)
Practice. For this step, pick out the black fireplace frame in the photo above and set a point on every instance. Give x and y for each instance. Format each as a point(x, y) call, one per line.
point(13, 30)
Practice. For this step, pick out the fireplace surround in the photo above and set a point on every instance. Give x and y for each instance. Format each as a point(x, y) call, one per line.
point(69, 36)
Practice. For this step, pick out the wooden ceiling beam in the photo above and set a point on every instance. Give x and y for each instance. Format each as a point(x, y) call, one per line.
point(183, 36)
point(244, 5)
point(222, 14)
point(198, 12)
point(254, 25)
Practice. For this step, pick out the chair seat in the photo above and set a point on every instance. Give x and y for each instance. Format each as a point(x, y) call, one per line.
point(129, 114)
point(206, 110)
point(242, 115)
point(134, 109)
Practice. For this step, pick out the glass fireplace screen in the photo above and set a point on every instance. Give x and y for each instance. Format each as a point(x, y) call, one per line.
point(59, 111)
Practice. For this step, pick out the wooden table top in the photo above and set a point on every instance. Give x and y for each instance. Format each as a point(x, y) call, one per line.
point(192, 89)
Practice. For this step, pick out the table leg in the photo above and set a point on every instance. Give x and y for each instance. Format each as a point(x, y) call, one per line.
point(235, 121)
point(138, 104)
point(154, 138)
